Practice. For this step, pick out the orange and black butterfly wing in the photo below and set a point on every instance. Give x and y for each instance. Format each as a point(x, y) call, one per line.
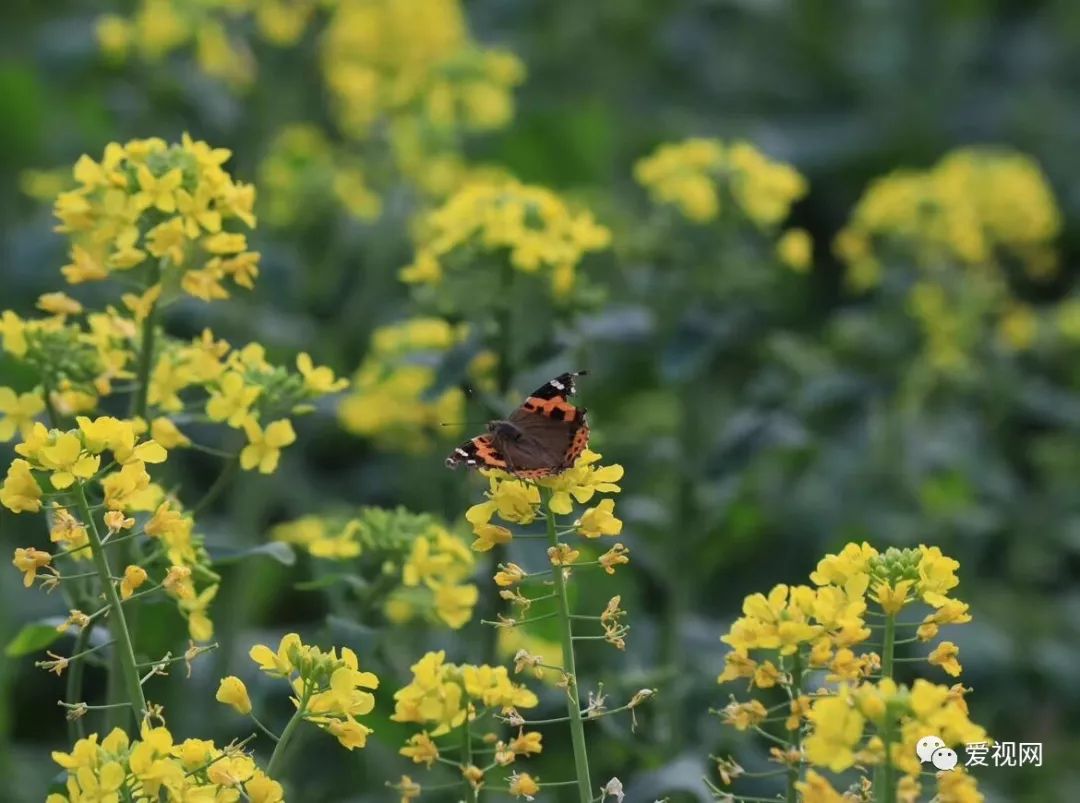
point(549, 433)
point(480, 452)
point(553, 431)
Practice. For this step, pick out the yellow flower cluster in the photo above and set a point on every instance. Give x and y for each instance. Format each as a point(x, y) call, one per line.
point(326, 537)
point(158, 28)
point(243, 391)
point(838, 722)
point(518, 501)
point(443, 697)
point(393, 399)
point(156, 766)
point(73, 456)
point(972, 208)
point(53, 461)
point(421, 567)
point(328, 691)
point(413, 62)
point(302, 170)
point(799, 628)
point(698, 176)
point(962, 223)
point(530, 227)
point(77, 360)
point(163, 210)
point(437, 566)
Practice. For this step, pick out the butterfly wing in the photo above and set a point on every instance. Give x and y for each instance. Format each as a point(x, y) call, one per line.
point(553, 431)
point(480, 452)
point(549, 433)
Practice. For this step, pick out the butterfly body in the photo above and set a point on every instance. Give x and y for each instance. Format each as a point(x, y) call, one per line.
point(542, 437)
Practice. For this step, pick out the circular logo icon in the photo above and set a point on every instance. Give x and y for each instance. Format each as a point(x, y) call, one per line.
point(944, 759)
point(926, 746)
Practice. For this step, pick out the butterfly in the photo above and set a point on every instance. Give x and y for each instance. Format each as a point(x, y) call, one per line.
point(542, 437)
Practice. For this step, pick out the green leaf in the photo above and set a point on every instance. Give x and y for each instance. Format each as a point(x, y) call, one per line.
point(328, 580)
point(34, 637)
point(281, 552)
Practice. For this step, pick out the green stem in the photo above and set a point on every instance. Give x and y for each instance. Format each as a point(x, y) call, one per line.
point(123, 651)
point(139, 404)
point(228, 471)
point(573, 703)
point(884, 776)
point(73, 691)
point(286, 736)
point(467, 761)
point(796, 688)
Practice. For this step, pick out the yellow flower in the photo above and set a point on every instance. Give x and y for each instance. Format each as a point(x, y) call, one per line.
point(563, 555)
point(618, 555)
point(67, 460)
point(600, 520)
point(510, 574)
point(166, 433)
point(318, 379)
point(893, 598)
point(454, 603)
point(410, 790)
point(937, 575)
point(946, 656)
point(17, 412)
point(837, 729)
point(264, 446)
point(582, 481)
point(854, 559)
point(523, 785)
point(134, 576)
point(795, 249)
point(527, 744)
point(233, 692)
point(737, 665)
point(20, 492)
point(513, 500)
point(200, 626)
point(58, 304)
point(13, 331)
point(490, 535)
point(421, 749)
point(159, 192)
point(815, 789)
point(28, 561)
point(952, 612)
point(279, 664)
point(232, 400)
point(261, 788)
point(766, 675)
point(958, 787)
point(744, 715)
point(142, 304)
point(349, 733)
point(178, 582)
point(122, 488)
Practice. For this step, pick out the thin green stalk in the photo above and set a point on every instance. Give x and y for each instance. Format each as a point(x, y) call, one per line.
point(884, 776)
point(573, 703)
point(228, 471)
point(139, 405)
point(796, 687)
point(287, 735)
point(466, 761)
point(123, 651)
point(73, 690)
